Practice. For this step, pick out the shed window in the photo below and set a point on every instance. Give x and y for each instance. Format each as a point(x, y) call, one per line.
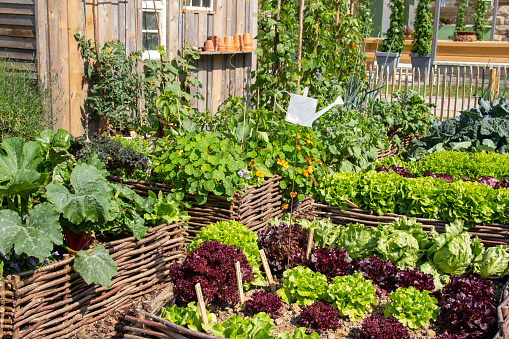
point(200, 5)
point(153, 13)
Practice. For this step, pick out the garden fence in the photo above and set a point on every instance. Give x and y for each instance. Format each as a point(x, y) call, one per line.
point(451, 88)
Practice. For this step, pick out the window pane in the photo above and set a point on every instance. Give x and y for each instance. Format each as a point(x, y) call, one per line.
point(196, 3)
point(149, 41)
point(206, 3)
point(149, 21)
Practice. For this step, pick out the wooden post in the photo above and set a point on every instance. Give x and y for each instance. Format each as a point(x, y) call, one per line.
point(400, 77)
point(266, 267)
point(438, 90)
point(393, 82)
point(310, 242)
point(239, 283)
point(457, 90)
point(442, 106)
point(493, 83)
point(463, 81)
point(201, 304)
point(470, 80)
point(406, 80)
point(449, 95)
point(301, 27)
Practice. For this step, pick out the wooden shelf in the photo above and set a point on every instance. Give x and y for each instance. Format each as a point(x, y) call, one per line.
point(219, 53)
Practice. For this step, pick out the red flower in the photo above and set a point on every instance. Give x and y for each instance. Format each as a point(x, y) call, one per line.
point(328, 28)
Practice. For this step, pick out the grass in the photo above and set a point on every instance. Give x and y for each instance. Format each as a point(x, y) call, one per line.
point(24, 106)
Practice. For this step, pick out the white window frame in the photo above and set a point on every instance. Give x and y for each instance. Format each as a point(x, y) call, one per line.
point(148, 6)
point(199, 8)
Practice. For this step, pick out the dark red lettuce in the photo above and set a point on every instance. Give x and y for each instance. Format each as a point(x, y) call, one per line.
point(444, 176)
point(285, 247)
point(262, 301)
point(504, 183)
point(377, 327)
point(468, 305)
point(213, 266)
point(331, 262)
point(413, 277)
point(381, 272)
point(319, 317)
point(396, 169)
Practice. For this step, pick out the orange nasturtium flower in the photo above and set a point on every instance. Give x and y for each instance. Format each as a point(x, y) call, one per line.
point(282, 163)
point(298, 147)
point(207, 151)
point(252, 162)
point(180, 166)
point(284, 206)
point(293, 194)
point(260, 174)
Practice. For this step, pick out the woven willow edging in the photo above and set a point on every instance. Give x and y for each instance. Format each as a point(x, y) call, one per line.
point(392, 151)
point(490, 234)
point(253, 207)
point(55, 302)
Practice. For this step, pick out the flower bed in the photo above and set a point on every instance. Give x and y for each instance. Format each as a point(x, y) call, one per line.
point(55, 302)
point(253, 207)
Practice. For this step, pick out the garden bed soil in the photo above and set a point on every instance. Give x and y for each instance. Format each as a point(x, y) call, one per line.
point(55, 302)
point(253, 206)
point(289, 320)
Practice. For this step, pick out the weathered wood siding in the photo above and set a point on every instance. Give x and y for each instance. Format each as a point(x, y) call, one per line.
point(59, 62)
point(225, 74)
point(43, 31)
point(17, 32)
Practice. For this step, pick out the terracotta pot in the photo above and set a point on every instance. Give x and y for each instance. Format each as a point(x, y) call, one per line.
point(215, 39)
point(228, 43)
point(209, 46)
point(248, 42)
point(220, 45)
point(237, 42)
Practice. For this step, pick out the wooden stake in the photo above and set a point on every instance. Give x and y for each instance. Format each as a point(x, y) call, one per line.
point(310, 242)
point(266, 267)
point(325, 234)
point(201, 304)
point(239, 283)
point(301, 27)
point(349, 203)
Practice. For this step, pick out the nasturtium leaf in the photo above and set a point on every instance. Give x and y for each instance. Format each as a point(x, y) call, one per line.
point(97, 268)
point(37, 237)
point(91, 200)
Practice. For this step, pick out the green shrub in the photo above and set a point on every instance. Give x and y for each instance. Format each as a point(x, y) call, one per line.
point(24, 109)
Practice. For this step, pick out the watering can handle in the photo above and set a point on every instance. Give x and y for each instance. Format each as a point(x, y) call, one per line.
point(275, 100)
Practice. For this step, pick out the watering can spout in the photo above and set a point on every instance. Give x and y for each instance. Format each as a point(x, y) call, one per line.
point(339, 101)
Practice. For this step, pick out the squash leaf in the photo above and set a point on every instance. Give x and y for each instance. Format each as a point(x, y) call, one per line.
point(97, 268)
point(89, 200)
point(36, 237)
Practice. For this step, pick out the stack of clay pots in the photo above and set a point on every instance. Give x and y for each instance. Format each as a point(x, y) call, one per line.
point(229, 44)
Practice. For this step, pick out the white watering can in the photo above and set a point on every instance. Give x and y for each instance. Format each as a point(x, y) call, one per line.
point(301, 110)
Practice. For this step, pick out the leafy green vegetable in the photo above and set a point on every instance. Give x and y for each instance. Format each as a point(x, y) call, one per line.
point(189, 316)
point(302, 285)
point(300, 333)
point(357, 239)
point(353, 295)
point(411, 307)
point(454, 251)
point(493, 263)
point(440, 280)
point(235, 327)
point(89, 200)
point(36, 237)
point(236, 234)
point(97, 267)
point(164, 210)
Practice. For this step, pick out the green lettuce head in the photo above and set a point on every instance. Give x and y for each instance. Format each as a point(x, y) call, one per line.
point(493, 263)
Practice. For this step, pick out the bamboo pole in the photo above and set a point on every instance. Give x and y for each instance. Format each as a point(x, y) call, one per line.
point(301, 27)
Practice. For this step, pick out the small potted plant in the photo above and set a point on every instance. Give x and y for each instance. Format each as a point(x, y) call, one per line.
point(480, 22)
point(420, 50)
point(408, 33)
point(393, 45)
point(460, 32)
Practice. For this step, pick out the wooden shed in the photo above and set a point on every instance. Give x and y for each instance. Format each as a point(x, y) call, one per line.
point(40, 34)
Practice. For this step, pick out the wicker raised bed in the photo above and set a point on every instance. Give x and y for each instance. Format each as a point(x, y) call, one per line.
point(55, 302)
point(503, 314)
point(392, 151)
point(490, 234)
point(253, 207)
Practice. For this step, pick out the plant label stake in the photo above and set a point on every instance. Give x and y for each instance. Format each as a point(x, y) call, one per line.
point(239, 283)
point(266, 267)
point(301, 109)
point(201, 304)
point(310, 241)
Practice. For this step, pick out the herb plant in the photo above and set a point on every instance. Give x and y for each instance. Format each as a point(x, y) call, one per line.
point(353, 295)
point(262, 301)
point(377, 327)
point(319, 317)
point(213, 266)
point(303, 286)
point(411, 307)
